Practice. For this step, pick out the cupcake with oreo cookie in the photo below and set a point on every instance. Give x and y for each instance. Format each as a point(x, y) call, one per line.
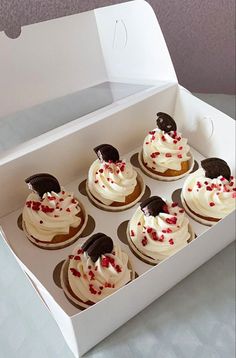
point(209, 194)
point(95, 270)
point(157, 230)
point(113, 184)
point(165, 154)
point(52, 217)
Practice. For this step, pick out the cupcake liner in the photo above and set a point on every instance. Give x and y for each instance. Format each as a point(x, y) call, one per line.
point(164, 178)
point(58, 245)
point(102, 206)
point(69, 294)
point(149, 260)
point(195, 216)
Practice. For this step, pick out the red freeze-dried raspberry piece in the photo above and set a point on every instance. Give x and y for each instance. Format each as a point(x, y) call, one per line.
point(77, 258)
point(92, 289)
point(46, 209)
point(180, 156)
point(172, 220)
point(118, 268)
point(212, 204)
point(91, 274)
point(149, 230)
point(189, 189)
point(75, 272)
point(28, 203)
point(152, 132)
point(180, 148)
point(68, 210)
point(165, 209)
point(199, 185)
point(163, 138)
point(174, 204)
point(73, 201)
point(168, 230)
point(144, 241)
point(105, 262)
point(168, 155)
point(208, 188)
point(181, 211)
point(101, 170)
point(80, 251)
point(171, 241)
point(61, 199)
point(161, 238)
point(107, 284)
point(132, 233)
point(147, 143)
point(175, 141)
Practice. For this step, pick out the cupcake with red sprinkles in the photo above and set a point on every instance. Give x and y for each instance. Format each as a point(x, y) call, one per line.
point(157, 230)
point(209, 194)
point(113, 184)
point(52, 217)
point(165, 154)
point(95, 270)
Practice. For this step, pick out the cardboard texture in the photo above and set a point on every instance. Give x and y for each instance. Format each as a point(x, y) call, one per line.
point(52, 60)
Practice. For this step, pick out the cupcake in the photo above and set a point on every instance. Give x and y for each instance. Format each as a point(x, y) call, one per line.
point(95, 270)
point(113, 184)
point(208, 194)
point(165, 154)
point(52, 217)
point(157, 230)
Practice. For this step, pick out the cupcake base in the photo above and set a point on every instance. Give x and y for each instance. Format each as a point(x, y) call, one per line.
point(61, 241)
point(131, 199)
point(70, 294)
point(197, 217)
point(169, 175)
point(147, 259)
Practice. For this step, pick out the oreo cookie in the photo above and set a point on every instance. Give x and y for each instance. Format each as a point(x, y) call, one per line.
point(165, 122)
point(43, 183)
point(97, 245)
point(107, 152)
point(215, 167)
point(153, 206)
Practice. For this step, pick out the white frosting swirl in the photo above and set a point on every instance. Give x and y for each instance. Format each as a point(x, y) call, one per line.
point(52, 215)
point(93, 281)
point(161, 236)
point(163, 151)
point(211, 198)
point(111, 182)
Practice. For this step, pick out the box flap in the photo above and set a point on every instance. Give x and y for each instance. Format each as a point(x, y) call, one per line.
point(133, 44)
point(61, 56)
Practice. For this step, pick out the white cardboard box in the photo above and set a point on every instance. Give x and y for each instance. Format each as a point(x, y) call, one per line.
point(99, 76)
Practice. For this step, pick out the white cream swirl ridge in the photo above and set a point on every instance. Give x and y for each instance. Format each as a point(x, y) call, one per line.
point(111, 182)
point(52, 215)
point(93, 281)
point(163, 151)
point(160, 236)
point(211, 198)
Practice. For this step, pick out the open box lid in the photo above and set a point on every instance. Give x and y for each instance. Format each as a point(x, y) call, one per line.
point(54, 58)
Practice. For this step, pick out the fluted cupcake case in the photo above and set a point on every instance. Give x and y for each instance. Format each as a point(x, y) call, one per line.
point(107, 92)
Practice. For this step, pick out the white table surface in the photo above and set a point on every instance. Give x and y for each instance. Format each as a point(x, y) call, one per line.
point(195, 319)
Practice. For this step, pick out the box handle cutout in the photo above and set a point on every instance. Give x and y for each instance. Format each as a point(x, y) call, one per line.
point(208, 125)
point(120, 38)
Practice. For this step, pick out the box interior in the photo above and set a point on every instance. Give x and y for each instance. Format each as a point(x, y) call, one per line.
point(171, 100)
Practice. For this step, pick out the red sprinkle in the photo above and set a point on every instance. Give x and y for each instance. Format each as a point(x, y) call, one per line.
point(105, 262)
point(75, 272)
point(199, 185)
point(132, 233)
point(168, 155)
point(68, 210)
point(100, 170)
point(180, 148)
point(144, 241)
point(172, 220)
point(180, 156)
point(212, 204)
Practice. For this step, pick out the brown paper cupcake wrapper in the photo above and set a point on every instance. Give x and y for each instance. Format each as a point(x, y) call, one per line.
point(146, 259)
point(164, 178)
point(102, 206)
point(59, 245)
point(197, 218)
point(71, 296)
